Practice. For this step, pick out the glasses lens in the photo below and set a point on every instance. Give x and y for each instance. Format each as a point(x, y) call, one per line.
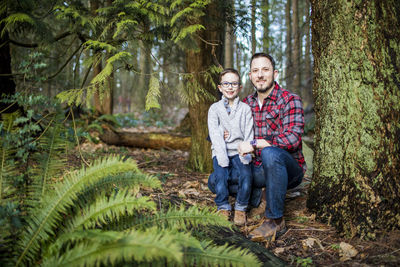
point(227, 84)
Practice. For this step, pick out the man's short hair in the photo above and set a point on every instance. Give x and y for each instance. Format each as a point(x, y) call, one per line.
point(262, 54)
point(228, 70)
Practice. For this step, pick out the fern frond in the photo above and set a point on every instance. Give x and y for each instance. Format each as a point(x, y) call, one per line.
point(153, 94)
point(131, 179)
point(125, 26)
point(51, 145)
point(137, 246)
point(44, 218)
point(105, 210)
point(72, 96)
point(181, 34)
point(182, 218)
point(6, 170)
point(97, 45)
point(14, 20)
point(213, 255)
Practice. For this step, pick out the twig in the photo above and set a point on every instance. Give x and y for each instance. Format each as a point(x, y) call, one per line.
point(76, 136)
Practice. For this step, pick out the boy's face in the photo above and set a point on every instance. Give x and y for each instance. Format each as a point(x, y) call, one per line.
point(230, 85)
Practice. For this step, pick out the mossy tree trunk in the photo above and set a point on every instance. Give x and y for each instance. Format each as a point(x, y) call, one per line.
point(198, 63)
point(356, 182)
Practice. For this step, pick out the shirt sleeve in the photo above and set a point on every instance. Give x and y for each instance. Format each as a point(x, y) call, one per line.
point(293, 126)
point(217, 137)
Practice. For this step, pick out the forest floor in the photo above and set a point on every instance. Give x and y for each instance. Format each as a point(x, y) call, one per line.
point(307, 242)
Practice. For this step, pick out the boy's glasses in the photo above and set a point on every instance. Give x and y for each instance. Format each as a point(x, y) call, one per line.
point(227, 84)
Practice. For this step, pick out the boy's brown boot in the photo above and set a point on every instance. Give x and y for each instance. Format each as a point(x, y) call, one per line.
point(239, 218)
point(224, 213)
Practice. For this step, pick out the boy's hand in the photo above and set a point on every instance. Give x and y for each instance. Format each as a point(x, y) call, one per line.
point(226, 134)
point(245, 148)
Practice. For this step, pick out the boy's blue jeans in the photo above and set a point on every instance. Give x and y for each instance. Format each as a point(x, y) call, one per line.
point(279, 171)
point(219, 181)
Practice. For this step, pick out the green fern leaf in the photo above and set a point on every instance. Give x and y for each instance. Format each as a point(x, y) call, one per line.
point(44, 218)
point(153, 94)
point(104, 210)
point(137, 246)
point(213, 255)
point(181, 218)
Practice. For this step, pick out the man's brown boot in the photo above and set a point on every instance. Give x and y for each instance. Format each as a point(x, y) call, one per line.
point(259, 211)
point(269, 229)
point(239, 218)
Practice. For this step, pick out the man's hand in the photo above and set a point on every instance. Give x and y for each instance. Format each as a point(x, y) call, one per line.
point(245, 148)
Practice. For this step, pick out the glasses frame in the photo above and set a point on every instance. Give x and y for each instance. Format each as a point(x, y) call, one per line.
point(227, 84)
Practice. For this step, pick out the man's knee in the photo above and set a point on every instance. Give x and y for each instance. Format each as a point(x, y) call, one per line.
point(271, 155)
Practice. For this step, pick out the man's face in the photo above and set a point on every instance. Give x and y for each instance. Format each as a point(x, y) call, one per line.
point(262, 75)
point(229, 85)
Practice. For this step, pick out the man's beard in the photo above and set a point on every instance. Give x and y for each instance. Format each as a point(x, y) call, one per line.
point(263, 90)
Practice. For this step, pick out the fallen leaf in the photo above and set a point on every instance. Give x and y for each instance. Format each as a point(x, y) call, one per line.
point(347, 251)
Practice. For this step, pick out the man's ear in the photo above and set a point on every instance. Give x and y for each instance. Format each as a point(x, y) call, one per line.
point(276, 73)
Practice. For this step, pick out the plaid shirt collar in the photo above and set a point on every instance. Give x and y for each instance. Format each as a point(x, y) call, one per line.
point(274, 95)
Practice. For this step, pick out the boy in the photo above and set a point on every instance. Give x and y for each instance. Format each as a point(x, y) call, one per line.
point(231, 115)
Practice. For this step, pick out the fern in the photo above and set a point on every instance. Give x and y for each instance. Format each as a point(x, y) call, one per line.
point(138, 246)
point(181, 218)
point(13, 21)
point(212, 255)
point(153, 94)
point(50, 163)
point(6, 170)
point(44, 218)
point(104, 210)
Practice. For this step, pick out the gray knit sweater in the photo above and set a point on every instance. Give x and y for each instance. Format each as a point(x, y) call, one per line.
point(239, 124)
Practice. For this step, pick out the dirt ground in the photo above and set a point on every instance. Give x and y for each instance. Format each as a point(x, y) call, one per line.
point(307, 241)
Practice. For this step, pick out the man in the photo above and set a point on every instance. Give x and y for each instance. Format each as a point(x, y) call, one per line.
point(278, 125)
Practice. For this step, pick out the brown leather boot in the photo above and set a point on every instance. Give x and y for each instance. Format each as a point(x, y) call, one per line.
point(239, 218)
point(224, 213)
point(258, 211)
point(269, 229)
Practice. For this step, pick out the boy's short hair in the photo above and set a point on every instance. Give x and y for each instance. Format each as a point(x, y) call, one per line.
point(228, 70)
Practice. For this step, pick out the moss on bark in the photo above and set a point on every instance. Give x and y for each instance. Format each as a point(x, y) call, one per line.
point(357, 97)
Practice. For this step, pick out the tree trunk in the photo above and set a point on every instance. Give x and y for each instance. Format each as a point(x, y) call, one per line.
point(145, 140)
point(296, 87)
point(356, 182)
point(144, 77)
point(265, 22)
point(197, 62)
point(307, 97)
point(7, 84)
point(229, 39)
point(288, 73)
point(253, 27)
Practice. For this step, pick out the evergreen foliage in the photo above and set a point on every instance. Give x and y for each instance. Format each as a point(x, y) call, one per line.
point(95, 215)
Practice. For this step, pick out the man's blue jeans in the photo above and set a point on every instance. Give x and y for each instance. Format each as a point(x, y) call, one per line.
point(219, 181)
point(279, 171)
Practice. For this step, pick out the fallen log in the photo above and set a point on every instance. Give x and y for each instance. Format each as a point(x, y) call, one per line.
point(145, 140)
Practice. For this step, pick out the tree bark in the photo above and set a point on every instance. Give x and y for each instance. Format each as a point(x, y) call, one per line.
point(145, 140)
point(7, 84)
point(296, 70)
point(229, 40)
point(288, 52)
point(356, 182)
point(265, 22)
point(197, 62)
point(253, 27)
point(307, 97)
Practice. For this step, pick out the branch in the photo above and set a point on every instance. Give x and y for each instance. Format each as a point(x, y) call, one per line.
point(66, 63)
point(57, 38)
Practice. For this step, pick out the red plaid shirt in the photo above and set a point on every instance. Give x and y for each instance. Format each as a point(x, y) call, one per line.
point(280, 121)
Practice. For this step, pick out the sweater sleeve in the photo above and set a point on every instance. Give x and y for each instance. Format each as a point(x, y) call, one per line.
point(248, 131)
point(217, 137)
